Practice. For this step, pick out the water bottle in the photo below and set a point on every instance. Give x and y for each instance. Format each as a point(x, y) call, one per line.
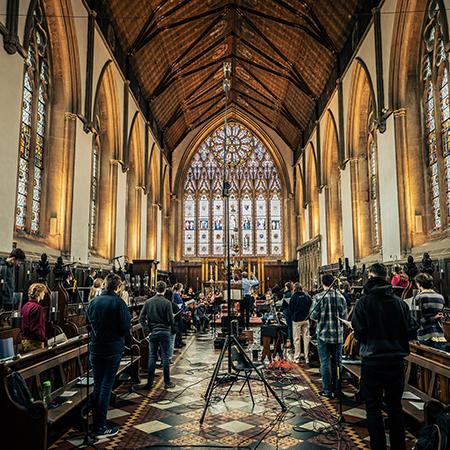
point(47, 392)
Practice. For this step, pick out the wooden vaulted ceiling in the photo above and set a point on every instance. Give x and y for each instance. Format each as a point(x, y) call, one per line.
point(282, 53)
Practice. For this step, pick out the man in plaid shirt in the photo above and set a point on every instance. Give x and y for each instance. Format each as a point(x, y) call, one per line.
point(326, 308)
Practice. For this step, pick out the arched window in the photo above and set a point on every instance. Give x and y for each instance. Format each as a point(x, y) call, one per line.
point(372, 167)
point(33, 128)
point(436, 112)
point(255, 197)
point(364, 172)
point(93, 204)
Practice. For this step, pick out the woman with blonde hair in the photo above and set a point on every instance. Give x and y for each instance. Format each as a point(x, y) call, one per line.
point(123, 293)
point(33, 319)
point(96, 288)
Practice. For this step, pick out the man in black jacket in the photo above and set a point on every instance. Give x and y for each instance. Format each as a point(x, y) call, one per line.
point(8, 278)
point(157, 320)
point(110, 320)
point(299, 306)
point(383, 326)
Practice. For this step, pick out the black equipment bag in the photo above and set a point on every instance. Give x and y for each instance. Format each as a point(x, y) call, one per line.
point(19, 390)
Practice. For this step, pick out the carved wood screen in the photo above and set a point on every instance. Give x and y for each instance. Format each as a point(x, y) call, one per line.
point(309, 262)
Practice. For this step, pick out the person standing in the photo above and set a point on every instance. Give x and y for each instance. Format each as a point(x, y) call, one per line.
point(327, 308)
point(382, 324)
point(180, 312)
point(8, 278)
point(33, 319)
point(109, 319)
point(430, 305)
point(89, 282)
point(299, 306)
point(287, 294)
point(247, 301)
point(157, 320)
point(91, 277)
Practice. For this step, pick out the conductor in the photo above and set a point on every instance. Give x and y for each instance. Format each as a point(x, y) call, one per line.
point(247, 302)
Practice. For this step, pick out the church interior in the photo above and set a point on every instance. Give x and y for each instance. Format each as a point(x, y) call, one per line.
point(223, 224)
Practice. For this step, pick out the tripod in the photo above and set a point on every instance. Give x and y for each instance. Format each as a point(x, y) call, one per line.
point(231, 340)
point(338, 375)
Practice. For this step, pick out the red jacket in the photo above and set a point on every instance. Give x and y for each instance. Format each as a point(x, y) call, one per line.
point(33, 321)
point(398, 281)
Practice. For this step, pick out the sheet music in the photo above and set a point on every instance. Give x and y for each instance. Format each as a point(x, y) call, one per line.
point(345, 322)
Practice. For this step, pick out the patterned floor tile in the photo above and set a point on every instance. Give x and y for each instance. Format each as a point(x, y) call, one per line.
point(115, 413)
point(236, 426)
point(171, 417)
point(153, 426)
point(165, 404)
point(356, 412)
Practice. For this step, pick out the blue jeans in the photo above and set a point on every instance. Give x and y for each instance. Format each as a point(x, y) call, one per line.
point(330, 356)
point(172, 345)
point(159, 339)
point(104, 369)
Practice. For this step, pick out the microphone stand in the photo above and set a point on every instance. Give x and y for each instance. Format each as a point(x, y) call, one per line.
point(340, 417)
point(88, 440)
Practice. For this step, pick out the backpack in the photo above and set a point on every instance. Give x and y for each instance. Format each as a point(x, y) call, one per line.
point(443, 422)
point(437, 435)
point(19, 390)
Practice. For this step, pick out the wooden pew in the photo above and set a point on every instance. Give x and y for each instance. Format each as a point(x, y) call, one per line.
point(139, 338)
point(64, 369)
point(427, 376)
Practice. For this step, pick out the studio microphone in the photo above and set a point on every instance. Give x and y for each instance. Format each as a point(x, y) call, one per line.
point(117, 257)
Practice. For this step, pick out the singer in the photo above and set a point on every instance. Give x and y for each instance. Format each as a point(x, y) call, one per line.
point(8, 278)
point(110, 321)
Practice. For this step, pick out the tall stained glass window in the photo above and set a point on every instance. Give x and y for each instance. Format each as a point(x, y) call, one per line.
point(373, 190)
point(33, 128)
point(437, 115)
point(255, 197)
point(95, 176)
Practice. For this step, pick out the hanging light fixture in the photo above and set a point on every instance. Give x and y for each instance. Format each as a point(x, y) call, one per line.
point(231, 235)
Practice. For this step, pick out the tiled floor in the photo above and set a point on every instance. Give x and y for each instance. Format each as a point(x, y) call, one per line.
point(170, 418)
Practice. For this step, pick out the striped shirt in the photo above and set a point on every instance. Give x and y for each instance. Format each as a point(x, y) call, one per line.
point(324, 309)
point(429, 303)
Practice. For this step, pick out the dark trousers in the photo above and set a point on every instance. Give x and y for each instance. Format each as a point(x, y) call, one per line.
point(390, 381)
point(288, 318)
point(159, 340)
point(246, 306)
point(201, 323)
point(105, 370)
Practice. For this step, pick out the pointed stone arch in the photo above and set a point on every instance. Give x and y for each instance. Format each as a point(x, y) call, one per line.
point(300, 203)
point(135, 184)
point(332, 185)
point(361, 133)
point(234, 115)
point(63, 107)
point(405, 94)
point(106, 142)
point(312, 191)
point(165, 207)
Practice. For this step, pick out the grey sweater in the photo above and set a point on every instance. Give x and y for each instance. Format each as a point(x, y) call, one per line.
point(156, 315)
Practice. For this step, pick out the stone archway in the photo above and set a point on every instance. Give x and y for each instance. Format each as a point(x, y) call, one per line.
point(332, 185)
point(312, 191)
point(361, 108)
point(135, 183)
point(107, 139)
